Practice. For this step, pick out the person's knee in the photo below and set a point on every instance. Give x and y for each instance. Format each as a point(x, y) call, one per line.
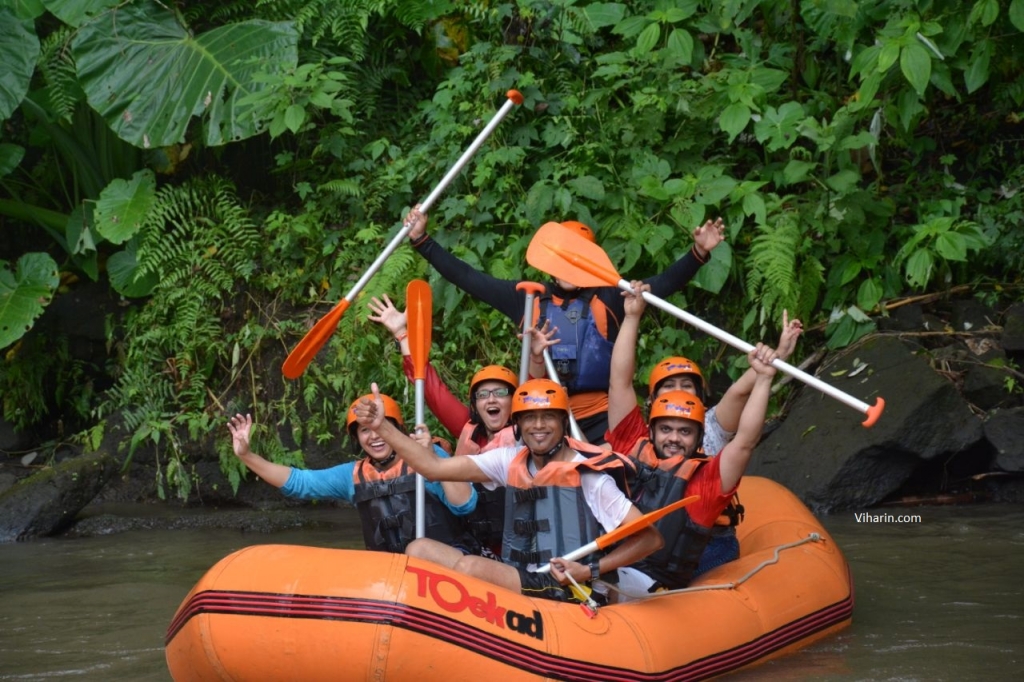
point(421, 548)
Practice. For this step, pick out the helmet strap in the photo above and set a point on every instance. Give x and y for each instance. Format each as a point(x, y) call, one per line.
point(383, 463)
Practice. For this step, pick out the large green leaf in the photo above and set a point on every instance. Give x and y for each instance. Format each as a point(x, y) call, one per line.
point(1016, 13)
point(75, 12)
point(123, 205)
point(19, 50)
point(24, 293)
point(148, 77)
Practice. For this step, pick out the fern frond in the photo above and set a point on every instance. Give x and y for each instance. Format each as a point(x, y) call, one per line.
point(772, 263)
point(58, 69)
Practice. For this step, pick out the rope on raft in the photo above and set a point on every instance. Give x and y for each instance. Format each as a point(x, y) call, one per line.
point(811, 537)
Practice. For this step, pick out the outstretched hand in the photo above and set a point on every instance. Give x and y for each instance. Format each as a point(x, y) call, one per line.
point(541, 338)
point(240, 427)
point(791, 330)
point(418, 220)
point(634, 303)
point(370, 412)
point(708, 236)
point(385, 313)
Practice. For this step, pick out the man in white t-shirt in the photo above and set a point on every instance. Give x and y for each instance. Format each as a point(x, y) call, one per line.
point(551, 472)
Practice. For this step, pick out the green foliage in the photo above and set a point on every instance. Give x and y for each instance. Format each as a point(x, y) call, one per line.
point(24, 293)
point(858, 151)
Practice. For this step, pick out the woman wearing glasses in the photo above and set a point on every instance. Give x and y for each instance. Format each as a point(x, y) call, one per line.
point(482, 425)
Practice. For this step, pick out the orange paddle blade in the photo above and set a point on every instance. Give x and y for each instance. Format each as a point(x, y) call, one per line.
point(419, 304)
point(564, 254)
point(300, 357)
point(647, 519)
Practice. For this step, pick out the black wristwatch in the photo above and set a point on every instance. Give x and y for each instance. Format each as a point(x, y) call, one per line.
point(595, 570)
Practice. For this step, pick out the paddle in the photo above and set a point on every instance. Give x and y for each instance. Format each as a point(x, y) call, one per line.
point(419, 305)
point(532, 290)
point(623, 531)
point(565, 255)
point(297, 361)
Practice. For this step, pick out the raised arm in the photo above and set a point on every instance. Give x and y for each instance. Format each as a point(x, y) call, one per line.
point(705, 239)
point(274, 474)
point(736, 454)
point(370, 413)
point(621, 395)
point(730, 407)
point(500, 294)
point(451, 411)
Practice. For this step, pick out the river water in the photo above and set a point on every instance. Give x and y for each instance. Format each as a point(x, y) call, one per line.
point(938, 599)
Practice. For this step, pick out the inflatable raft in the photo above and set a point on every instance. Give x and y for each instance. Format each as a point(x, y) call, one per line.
point(279, 612)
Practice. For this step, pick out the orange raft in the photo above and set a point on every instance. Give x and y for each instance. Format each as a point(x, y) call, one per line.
point(280, 612)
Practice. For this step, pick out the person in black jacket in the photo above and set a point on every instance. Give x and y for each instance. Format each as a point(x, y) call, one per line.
point(587, 319)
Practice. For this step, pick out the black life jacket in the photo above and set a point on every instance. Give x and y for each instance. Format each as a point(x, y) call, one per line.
point(387, 510)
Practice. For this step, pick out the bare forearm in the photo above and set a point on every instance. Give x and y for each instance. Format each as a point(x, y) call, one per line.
point(274, 474)
point(621, 397)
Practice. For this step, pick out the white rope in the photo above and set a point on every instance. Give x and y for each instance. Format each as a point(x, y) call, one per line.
point(811, 537)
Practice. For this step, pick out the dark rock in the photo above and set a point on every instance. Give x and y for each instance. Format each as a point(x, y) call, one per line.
point(48, 502)
point(1013, 328)
point(823, 454)
point(985, 388)
point(970, 314)
point(906, 318)
point(1004, 429)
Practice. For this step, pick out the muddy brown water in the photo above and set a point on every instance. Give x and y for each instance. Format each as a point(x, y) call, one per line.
point(936, 599)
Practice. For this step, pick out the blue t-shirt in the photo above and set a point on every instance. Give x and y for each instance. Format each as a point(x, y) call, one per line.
point(336, 483)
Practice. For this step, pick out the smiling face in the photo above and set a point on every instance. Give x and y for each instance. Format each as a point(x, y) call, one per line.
point(371, 444)
point(674, 436)
point(541, 430)
point(494, 411)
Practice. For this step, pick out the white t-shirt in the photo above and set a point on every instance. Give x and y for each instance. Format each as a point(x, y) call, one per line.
point(606, 502)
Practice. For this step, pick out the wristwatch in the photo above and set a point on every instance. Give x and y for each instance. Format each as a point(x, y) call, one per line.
point(595, 570)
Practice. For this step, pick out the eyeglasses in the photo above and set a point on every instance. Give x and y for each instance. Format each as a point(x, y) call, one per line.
point(484, 394)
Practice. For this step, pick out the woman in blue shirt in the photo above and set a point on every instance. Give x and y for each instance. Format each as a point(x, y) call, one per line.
point(380, 485)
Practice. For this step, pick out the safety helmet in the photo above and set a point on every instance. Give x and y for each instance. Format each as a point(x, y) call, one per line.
point(580, 228)
point(391, 411)
point(539, 394)
point(678, 404)
point(493, 373)
point(674, 366)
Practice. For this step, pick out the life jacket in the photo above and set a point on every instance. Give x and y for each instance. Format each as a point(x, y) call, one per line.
point(487, 521)
point(730, 517)
point(656, 486)
point(583, 355)
point(387, 509)
point(546, 514)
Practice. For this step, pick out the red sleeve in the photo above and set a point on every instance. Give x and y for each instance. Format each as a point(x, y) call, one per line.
point(627, 432)
point(449, 410)
point(707, 483)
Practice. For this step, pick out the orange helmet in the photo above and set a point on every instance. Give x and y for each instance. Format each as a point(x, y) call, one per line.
point(579, 228)
point(678, 404)
point(674, 366)
point(391, 411)
point(493, 373)
point(540, 394)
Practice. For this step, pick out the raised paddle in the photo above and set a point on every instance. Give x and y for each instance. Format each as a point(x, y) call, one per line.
point(623, 531)
point(419, 304)
point(297, 361)
point(563, 254)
